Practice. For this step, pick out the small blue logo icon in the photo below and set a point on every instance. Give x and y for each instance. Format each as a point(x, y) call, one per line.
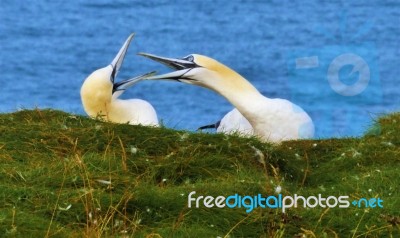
point(342, 81)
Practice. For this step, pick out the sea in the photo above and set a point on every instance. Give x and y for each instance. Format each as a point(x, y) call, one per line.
point(338, 60)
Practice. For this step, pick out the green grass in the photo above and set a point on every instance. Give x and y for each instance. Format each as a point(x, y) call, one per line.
point(64, 175)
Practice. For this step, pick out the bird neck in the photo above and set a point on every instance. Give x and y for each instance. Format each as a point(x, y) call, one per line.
point(245, 97)
point(229, 83)
point(96, 103)
point(247, 102)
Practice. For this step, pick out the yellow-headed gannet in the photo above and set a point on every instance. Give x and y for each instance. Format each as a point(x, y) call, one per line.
point(273, 120)
point(100, 92)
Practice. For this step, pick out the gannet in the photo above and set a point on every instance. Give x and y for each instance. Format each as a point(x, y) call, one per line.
point(273, 120)
point(232, 123)
point(100, 92)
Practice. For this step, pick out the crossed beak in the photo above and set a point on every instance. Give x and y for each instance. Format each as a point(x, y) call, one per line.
point(116, 65)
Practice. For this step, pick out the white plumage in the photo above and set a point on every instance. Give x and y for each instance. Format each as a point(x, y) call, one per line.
point(232, 123)
point(235, 122)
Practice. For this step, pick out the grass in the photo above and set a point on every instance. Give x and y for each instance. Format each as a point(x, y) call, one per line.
point(64, 175)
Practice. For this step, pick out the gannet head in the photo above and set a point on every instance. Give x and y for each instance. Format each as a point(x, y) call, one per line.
point(202, 71)
point(100, 88)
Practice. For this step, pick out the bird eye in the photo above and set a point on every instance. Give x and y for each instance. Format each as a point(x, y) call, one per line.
point(189, 58)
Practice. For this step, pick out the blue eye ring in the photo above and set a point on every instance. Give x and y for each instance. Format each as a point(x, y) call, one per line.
point(189, 58)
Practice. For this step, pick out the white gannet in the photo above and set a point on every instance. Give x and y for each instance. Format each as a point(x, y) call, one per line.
point(232, 123)
point(273, 120)
point(100, 92)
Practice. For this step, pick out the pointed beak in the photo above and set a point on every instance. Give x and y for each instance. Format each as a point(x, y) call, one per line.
point(180, 65)
point(172, 63)
point(119, 58)
point(121, 86)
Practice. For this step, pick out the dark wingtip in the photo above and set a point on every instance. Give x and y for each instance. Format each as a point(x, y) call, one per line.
point(211, 126)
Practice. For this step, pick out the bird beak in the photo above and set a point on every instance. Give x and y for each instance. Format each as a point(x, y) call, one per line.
point(120, 86)
point(119, 58)
point(181, 66)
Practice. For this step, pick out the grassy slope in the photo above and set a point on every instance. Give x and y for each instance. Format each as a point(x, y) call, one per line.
point(55, 169)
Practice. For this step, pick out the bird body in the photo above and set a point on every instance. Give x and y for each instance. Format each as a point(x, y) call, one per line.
point(99, 95)
point(273, 120)
point(235, 122)
point(133, 111)
point(232, 123)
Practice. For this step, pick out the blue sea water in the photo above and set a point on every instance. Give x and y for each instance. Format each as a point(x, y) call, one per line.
point(47, 49)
